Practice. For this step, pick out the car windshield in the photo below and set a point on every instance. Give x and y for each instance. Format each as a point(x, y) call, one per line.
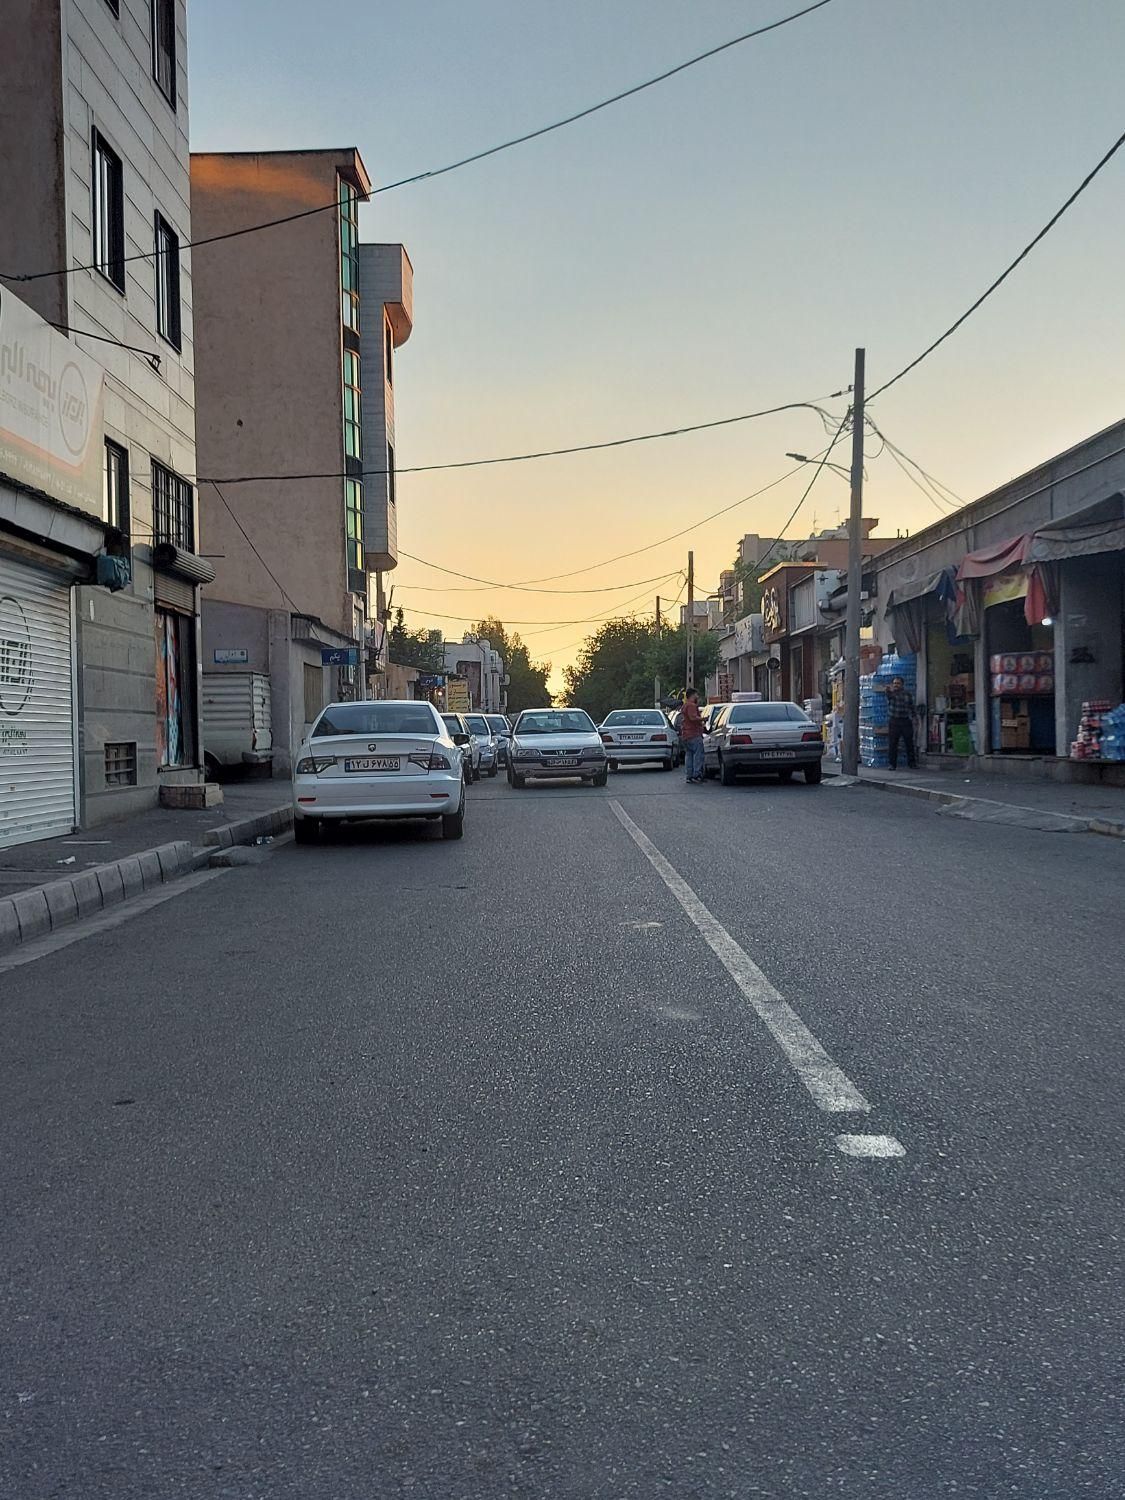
point(765, 713)
point(452, 723)
point(477, 723)
point(556, 721)
point(376, 718)
point(499, 723)
point(634, 718)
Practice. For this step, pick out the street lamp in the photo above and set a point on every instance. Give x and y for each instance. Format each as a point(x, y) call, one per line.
point(803, 458)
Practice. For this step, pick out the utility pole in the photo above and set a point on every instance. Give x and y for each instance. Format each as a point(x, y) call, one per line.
point(850, 748)
point(656, 679)
point(690, 620)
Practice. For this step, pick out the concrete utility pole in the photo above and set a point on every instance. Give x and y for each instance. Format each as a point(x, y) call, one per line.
point(690, 620)
point(850, 748)
point(656, 679)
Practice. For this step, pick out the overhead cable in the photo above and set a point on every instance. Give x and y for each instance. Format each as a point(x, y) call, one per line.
point(452, 166)
point(482, 585)
point(1024, 253)
point(517, 458)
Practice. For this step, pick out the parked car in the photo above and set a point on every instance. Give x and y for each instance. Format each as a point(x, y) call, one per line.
point(384, 760)
point(467, 743)
point(677, 741)
point(489, 754)
point(763, 739)
point(638, 736)
point(503, 733)
point(555, 743)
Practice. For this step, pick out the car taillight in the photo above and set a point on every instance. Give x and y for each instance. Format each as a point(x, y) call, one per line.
point(431, 760)
point(741, 739)
point(607, 739)
point(660, 738)
point(811, 734)
point(312, 765)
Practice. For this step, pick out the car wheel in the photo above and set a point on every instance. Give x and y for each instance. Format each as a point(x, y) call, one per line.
point(666, 765)
point(726, 773)
point(814, 774)
point(600, 779)
point(453, 824)
point(493, 772)
point(611, 765)
point(306, 830)
point(516, 782)
point(785, 776)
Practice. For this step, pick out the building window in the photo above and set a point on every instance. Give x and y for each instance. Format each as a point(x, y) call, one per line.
point(390, 474)
point(164, 48)
point(116, 476)
point(121, 765)
point(349, 256)
point(173, 509)
point(389, 347)
point(353, 505)
point(108, 213)
point(352, 439)
point(167, 282)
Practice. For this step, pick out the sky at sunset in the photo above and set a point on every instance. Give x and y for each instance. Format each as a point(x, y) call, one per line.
point(718, 244)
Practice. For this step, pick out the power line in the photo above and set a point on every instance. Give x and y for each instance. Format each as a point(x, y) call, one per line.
point(1024, 253)
point(931, 489)
point(464, 161)
point(943, 508)
point(570, 645)
point(102, 338)
point(482, 584)
point(822, 460)
point(942, 491)
point(250, 542)
point(516, 458)
point(547, 624)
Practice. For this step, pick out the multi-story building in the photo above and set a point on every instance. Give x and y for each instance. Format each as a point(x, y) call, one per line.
point(94, 210)
point(296, 329)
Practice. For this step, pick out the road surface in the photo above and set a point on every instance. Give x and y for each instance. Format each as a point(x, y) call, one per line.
point(522, 1166)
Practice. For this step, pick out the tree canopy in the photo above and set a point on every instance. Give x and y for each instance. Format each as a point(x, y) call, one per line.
point(423, 649)
point(527, 679)
point(619, 663)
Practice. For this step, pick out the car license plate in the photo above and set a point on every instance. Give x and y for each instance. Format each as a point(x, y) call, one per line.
point(632, 736)
point(566, 760)
point(373, 763)
point(779, 754)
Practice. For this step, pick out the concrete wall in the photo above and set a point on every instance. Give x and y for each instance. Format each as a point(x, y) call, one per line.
point(235, 627)
point(33, 223)
point(268, 331)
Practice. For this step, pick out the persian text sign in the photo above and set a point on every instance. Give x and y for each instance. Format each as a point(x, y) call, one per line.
point(51, 397)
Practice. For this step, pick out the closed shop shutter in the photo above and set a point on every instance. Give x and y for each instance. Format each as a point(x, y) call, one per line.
point(37, 765)
point(170, 592)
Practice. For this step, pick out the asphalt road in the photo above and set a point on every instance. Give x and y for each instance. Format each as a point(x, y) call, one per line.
point(454, 1170)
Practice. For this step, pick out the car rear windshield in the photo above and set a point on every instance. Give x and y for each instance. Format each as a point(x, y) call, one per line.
point(765, 713)
point(452, 723)
point(636, 718)
point(568, 721)
point(376, 718)
point(477, 723)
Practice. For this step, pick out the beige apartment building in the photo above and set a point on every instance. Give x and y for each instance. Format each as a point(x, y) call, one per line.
point(100, 570)
point(295, 377)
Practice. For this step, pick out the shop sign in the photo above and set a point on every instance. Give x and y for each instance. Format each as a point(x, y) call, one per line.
point(457, 696)
point(773, 612)
point(1005, 588)
point(51, 401)
point(231, 656)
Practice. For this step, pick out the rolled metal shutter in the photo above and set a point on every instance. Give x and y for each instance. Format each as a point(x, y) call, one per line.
point(37, 762)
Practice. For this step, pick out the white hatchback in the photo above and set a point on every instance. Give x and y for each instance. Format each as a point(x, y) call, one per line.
point(385, 760)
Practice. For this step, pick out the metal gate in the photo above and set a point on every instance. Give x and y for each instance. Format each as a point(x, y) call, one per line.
point(37, 761)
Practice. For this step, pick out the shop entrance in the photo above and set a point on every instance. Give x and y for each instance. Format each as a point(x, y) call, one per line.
point(1022, 682)
point(950, 685)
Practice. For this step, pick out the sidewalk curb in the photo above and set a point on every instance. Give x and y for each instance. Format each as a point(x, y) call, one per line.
point(956, 801)
point(43, 909)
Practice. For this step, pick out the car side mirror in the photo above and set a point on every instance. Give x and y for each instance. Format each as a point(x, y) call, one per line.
point(460, 739)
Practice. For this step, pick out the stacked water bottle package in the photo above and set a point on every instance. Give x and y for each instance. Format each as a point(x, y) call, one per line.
point(1101, 732)
point(873, 713)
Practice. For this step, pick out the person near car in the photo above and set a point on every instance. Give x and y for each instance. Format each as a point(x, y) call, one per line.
point(691, 733)
point(900, 723)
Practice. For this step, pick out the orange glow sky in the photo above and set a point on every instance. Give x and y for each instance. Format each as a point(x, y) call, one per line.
point(718, 244)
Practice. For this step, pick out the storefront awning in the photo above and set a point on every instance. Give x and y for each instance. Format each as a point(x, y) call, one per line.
point(1001, 557)
point(1055, 543)
point(916, 590)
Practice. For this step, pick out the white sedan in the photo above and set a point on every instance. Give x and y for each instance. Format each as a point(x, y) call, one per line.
point(637, 736)
point(385, 760)
point(555, 744)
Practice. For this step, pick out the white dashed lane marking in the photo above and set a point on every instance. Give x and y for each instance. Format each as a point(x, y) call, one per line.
point(830, 1087)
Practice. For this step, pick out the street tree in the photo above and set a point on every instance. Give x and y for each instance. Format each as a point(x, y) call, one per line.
point(619, 662)
point(422, 649)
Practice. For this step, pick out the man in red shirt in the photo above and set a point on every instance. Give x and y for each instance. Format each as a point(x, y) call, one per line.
point(691, 732)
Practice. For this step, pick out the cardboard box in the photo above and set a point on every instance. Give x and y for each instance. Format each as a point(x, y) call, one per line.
point(1015, 732)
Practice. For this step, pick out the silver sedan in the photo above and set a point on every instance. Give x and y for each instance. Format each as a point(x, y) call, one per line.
point(762, 739)
point(555, 744)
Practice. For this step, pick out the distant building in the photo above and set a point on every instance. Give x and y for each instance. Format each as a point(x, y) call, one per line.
point(99, 700)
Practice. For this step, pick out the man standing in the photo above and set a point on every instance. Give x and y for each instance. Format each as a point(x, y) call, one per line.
point(691, 732)
point(900, 709)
